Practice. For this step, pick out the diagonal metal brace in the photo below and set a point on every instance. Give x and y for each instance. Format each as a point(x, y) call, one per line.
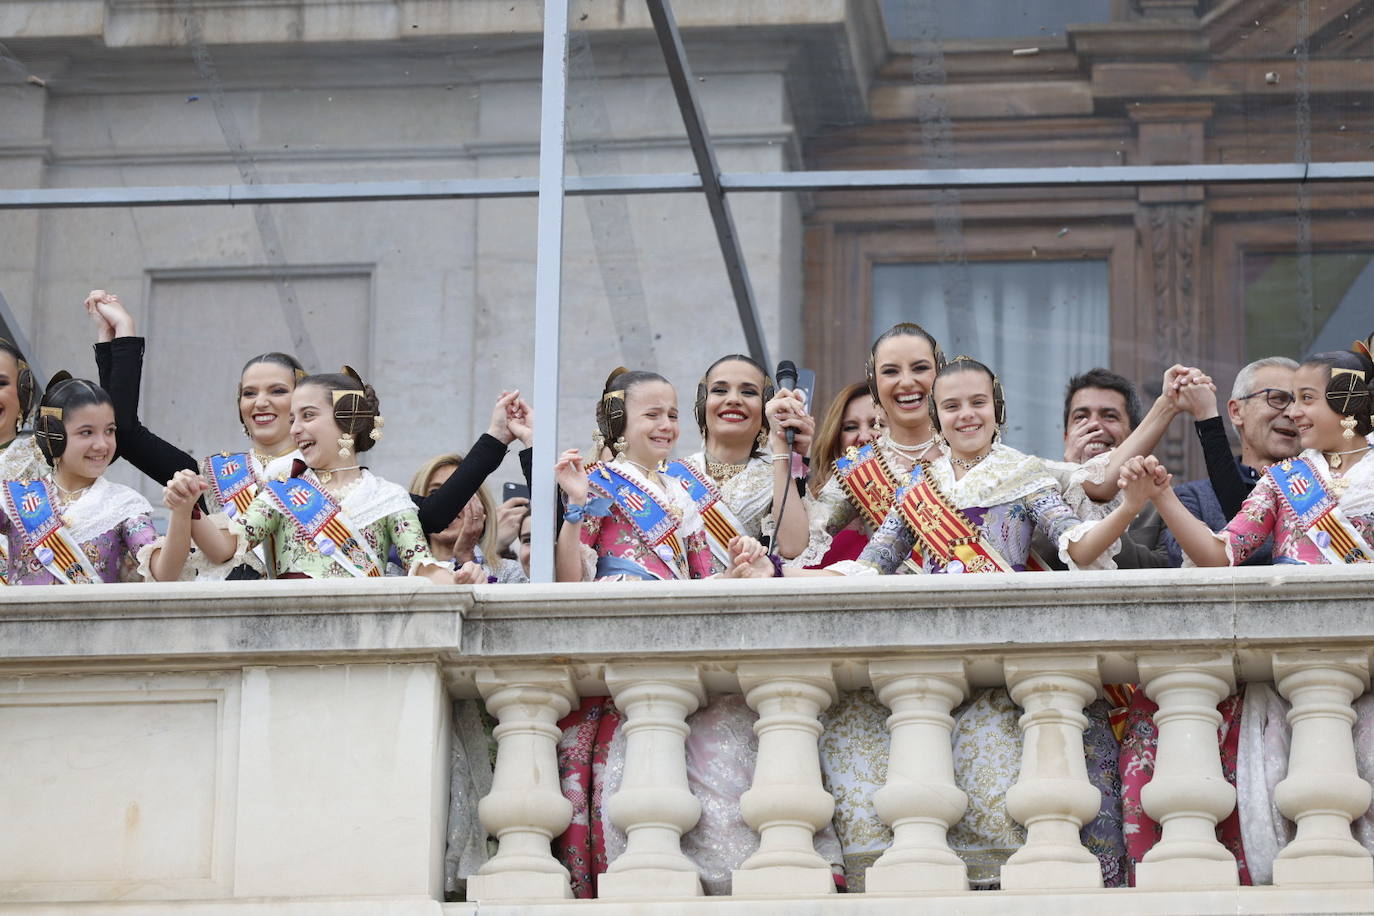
point(680, 73)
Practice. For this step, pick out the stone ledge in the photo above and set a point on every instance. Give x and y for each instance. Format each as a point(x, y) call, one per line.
point(1121, 902)
point(162, 625)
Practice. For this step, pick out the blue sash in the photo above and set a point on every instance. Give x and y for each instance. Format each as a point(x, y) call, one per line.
point(321, 522)
point(232, 479)
point(607, 565)
point(1318, 512)
point(702, 495)
point(646, 514)
point(29, 505)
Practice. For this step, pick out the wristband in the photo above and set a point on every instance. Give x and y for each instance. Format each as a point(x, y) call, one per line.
point(787, 457)
point(599, 507)
point(777, 565)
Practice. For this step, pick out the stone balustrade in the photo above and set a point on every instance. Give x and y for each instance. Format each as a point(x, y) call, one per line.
point(283, 747)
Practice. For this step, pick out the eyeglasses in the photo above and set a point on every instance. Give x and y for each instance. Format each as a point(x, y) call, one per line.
point(1276, 398)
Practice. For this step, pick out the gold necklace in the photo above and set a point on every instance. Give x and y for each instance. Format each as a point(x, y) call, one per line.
point(721, 471)
point(969, 463)
point(327, 474)
point(66, 497)
point(1334, 458)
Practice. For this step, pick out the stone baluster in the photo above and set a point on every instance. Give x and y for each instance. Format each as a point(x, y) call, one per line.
point(1323, 792)
point(525, 809)
point(1052, 796)
point(654, 806)
point(920, 801)
point(1188, 794)
point(786, 803)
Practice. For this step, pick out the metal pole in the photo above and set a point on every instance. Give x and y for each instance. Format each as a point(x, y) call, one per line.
point(657, 183)
point(680, 73)
point(548, 285)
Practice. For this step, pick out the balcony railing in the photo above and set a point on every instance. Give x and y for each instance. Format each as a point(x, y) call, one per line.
point(284, 745)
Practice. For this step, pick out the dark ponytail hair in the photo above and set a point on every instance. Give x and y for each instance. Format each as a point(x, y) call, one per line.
point(610, 410)
point(64, 395)
point(357, 411)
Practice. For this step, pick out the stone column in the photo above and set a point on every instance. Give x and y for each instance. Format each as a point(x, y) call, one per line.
point(920, 800)
point(1188, 795)
point(1052, 796)
point(654, 806)
point(786, 803)
point(1323, 792)
point(526, 808)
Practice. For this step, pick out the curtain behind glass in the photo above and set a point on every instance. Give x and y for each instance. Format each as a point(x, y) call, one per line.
point(1035, 323)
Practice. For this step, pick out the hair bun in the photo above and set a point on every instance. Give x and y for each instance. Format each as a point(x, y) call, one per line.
point(616, 373)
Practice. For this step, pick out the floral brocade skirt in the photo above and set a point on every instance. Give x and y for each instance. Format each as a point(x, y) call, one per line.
point(987, 758)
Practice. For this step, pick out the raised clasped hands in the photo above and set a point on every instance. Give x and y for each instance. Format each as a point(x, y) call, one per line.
point(183, 490)
point(111, 318)
point(1191, 390)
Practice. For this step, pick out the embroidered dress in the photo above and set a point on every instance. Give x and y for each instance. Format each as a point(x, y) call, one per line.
point(832, 511)
point(1006, 497)
point(616, 535)
point(381, 511)
point(749, 494)
point(112, 524)
point(1265, 512)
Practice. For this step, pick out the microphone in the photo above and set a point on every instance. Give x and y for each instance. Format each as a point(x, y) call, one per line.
point(787, 378)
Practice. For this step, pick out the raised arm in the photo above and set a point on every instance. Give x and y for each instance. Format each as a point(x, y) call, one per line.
point(440, 508)
point(788, 411)
point(1146, 436)
point(572, 478)
point(120, 363)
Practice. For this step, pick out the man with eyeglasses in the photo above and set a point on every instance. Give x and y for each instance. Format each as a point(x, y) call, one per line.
point(1258, 410)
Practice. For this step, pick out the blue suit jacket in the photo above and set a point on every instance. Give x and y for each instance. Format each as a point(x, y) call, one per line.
point(1201, 500)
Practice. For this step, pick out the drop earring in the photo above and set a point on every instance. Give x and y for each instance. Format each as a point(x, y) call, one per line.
point(345, 445)
point(619, 446)
point(762, 438)
point(1348, 425)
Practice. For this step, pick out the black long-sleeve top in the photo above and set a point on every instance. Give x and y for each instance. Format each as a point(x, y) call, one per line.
point(119, 364)
point(1228, 481)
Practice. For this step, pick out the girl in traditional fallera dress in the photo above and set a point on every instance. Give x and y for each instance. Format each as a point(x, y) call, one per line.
point(1319, 510)
point(745, 462)
point(629, 519)
point(237, 474)
point(72, 526)
point(330, 518)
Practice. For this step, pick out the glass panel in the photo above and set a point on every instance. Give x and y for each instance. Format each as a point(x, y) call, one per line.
point(1280, 322)
point(989, 18)
point(1033, 323)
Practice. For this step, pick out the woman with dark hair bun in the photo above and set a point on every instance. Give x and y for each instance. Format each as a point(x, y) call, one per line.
point(330, 518)
point(71, 525)
point(745, 463)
